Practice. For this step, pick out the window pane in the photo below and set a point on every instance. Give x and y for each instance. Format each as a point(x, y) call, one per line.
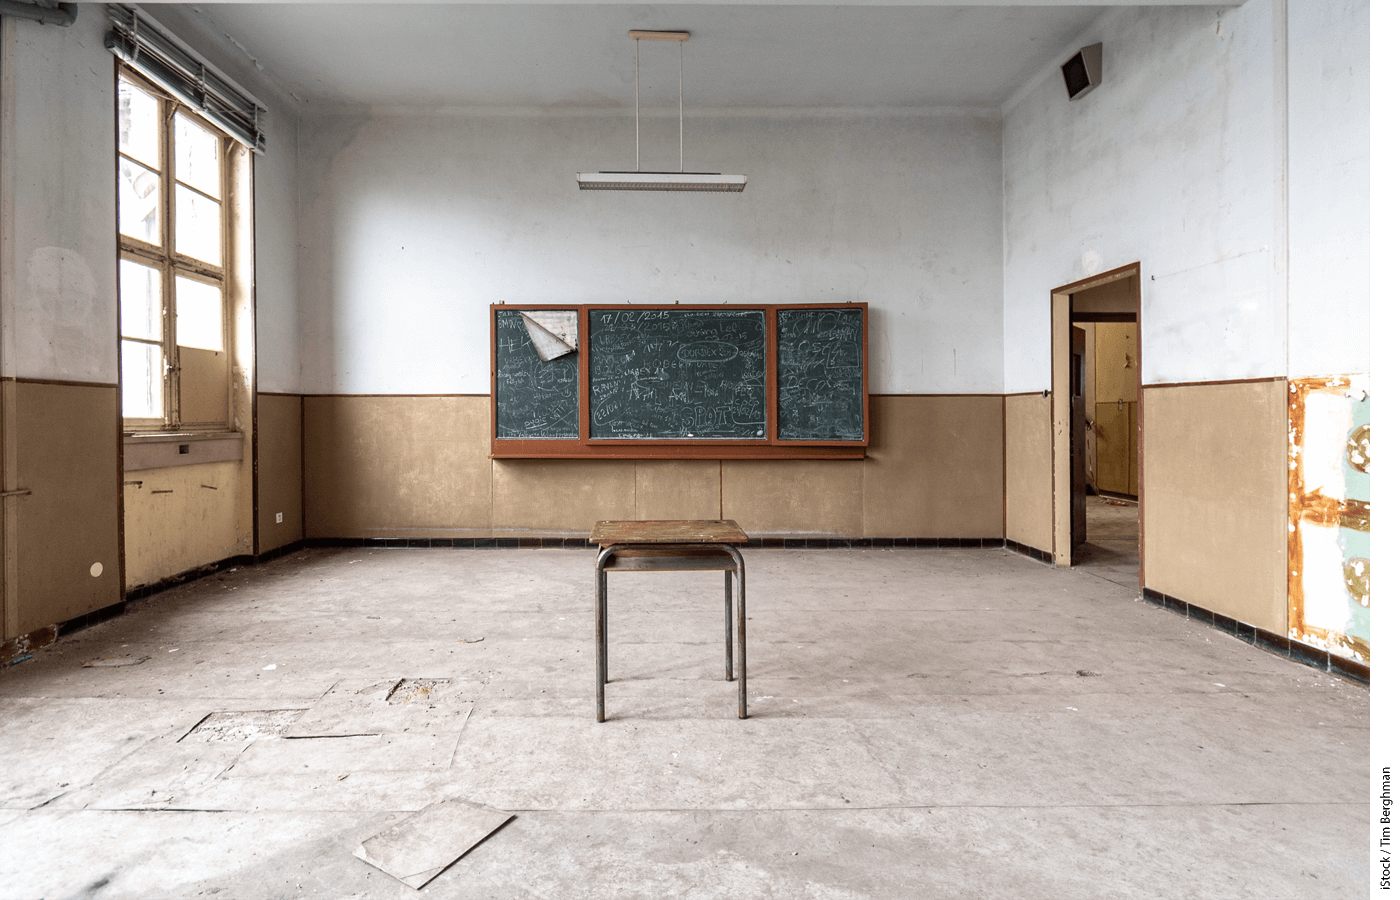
point(196, 155)
point(199, 314)
point(197, 231)
point(138, 124)
point(140, 293)
point(138, 201)
point(142, 384)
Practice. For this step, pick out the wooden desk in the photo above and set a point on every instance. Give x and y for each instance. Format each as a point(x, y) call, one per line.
point(685, 545)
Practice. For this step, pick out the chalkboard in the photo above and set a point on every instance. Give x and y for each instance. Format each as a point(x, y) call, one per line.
point(690, 374)
point(535, 399)
point(769, 381)
point(821, 375)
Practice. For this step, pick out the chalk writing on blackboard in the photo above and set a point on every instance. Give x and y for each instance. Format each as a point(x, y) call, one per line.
point(535, 398)
point(820, 375)
point(677, 373)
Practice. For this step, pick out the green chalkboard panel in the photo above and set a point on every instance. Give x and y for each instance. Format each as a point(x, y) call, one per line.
point(821, 390)
point(534, 398)
point(683, 373)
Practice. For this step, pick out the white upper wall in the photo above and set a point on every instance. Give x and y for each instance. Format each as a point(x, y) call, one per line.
point(412, 225)
point(58, 231)
point(1329, 160)
point(1170, 162)
point(58, 278)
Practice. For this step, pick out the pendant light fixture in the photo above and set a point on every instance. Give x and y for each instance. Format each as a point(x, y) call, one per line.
point(680, 180)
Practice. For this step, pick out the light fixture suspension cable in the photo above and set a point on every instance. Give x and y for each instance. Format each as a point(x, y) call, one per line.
point(638, 107)
point(680, 53)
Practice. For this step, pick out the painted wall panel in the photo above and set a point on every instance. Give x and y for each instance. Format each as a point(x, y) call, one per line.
point(58, 277)
point(934, 467)
point(1170, 161)
point(398, 466)
point(412, 224)
point(181, 518)
point(1215, 509)
point(1329, 158)
point(792, 497)
point(419, 467)
point(66, 537)
point(279, 471)
point(1029, 472)
point(678, 489)
point(560, 496)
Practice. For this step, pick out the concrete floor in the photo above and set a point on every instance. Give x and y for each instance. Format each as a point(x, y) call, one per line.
point(924, 723)
point(1111, 551)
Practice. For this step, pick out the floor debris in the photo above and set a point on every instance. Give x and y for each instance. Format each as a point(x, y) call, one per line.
point(111, 662)
point(388, 706)
point(241, 725)
point(419, 848)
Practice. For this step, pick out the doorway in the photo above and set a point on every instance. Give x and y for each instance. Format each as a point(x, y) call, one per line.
point(1097, 434)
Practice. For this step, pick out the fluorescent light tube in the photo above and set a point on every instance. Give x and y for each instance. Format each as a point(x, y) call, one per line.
point(660, 181)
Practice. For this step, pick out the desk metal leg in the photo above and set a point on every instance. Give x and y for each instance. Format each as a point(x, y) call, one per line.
point(743, 627)
point(743, 646)
point(600, 611)
point(728, 626)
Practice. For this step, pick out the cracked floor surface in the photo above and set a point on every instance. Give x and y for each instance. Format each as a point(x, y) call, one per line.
point(923, 723)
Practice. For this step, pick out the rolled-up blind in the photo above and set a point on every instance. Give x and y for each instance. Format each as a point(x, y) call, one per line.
point(154, 52)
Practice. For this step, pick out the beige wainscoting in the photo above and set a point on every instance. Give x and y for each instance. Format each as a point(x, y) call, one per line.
point(402, 466)
point(414, 466)
point(935, 467)
point(798, 497)
point(279, 470)
point(1029, 472)
point(62, 441)
point(678, 489)
point(184, 517)
point(560, 496)
point(1215, 497)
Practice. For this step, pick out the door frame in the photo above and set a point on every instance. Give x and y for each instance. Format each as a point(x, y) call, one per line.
point(1061, 480)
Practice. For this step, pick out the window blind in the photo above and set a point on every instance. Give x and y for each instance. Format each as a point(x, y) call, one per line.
point(153, 51)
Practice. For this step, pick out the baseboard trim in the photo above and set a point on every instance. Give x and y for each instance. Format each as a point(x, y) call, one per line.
point(578, 543)
point(1259, 637)
point(1035, 553)
point(20, 649)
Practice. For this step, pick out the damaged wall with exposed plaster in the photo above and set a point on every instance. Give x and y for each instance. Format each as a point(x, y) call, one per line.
point(1226, 152)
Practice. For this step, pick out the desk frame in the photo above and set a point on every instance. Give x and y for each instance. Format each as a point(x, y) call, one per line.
point(650, 557)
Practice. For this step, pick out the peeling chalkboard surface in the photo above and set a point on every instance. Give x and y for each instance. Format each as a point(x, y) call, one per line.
point(821, 390)
point(534, 398)
point(681, 373)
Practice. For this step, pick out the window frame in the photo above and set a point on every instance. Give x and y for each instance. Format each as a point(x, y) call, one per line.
point(170, 263)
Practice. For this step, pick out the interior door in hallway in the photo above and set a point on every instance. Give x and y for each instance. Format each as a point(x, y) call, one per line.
point(1079, 527)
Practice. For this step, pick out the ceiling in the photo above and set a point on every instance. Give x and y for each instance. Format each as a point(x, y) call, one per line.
point(577, 56)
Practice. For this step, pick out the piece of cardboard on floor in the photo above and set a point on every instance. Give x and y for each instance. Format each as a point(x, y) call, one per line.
point(419, 848)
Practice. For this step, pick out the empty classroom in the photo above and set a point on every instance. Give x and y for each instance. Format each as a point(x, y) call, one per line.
point(675, 449)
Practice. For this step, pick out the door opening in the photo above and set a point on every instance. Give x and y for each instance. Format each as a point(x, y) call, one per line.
point(1097, 434)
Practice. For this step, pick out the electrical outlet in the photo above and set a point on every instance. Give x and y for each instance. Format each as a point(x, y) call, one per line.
point(279, 518)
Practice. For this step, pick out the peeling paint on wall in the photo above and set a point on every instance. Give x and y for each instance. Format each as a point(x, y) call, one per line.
point(1329, 514)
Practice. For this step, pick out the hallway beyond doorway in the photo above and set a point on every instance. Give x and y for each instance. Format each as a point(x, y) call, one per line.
point(1111, 552)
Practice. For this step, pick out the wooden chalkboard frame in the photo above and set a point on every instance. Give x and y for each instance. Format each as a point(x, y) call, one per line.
point(767, 447)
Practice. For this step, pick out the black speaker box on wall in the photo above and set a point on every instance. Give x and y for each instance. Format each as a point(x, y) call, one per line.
point(1083, 71)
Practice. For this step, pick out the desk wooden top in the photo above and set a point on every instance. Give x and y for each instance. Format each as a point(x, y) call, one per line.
point(668, 531)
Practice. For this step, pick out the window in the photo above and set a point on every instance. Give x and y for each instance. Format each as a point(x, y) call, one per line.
point(173, 200)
